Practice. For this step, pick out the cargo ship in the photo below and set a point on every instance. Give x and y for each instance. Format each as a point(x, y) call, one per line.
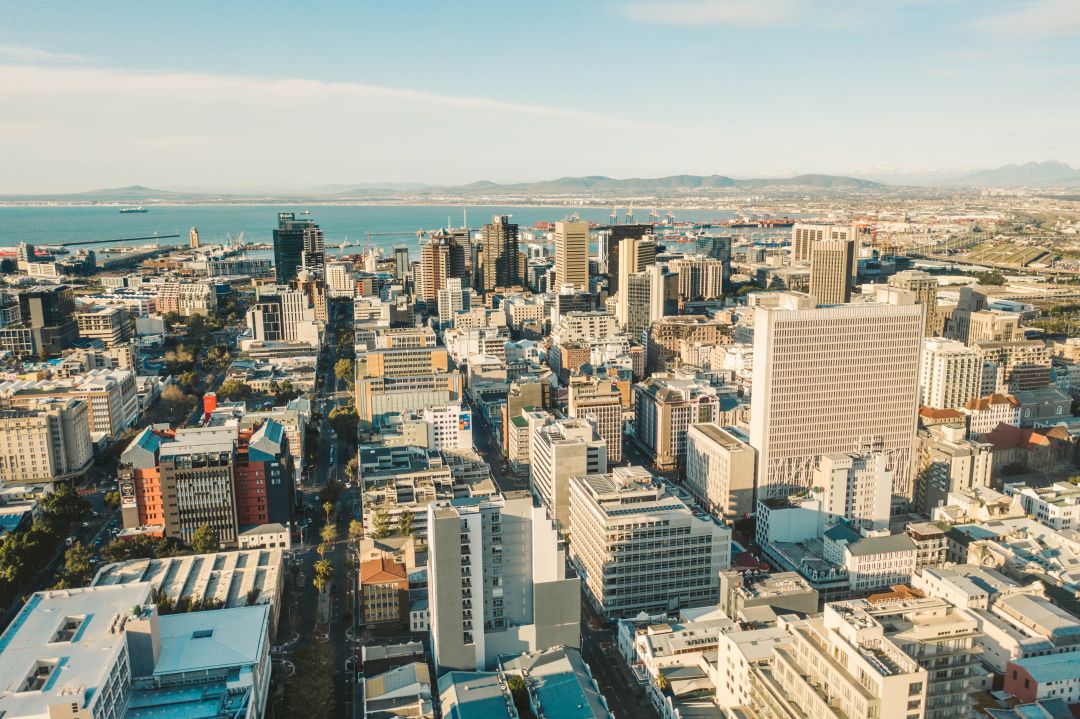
point(133, 210)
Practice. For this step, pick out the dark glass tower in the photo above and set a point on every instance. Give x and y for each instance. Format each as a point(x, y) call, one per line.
point(289, 245)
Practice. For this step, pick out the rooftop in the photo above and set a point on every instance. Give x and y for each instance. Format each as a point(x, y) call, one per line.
point(1049, 668)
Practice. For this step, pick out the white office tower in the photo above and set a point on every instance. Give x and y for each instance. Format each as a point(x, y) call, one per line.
point(558, 451)
point(453, 299)
point(497, 582)
point(639, 547)
point(719, 470)
point(804, 236)
point(855, 487)
point(449, 426)
point(952, 373)
point(834, 379)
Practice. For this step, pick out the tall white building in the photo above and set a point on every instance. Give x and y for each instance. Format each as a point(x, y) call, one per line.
point(834, 379)
point(640, 547)
point(452, 299)
point(635, 254)
point(340, 280)
point(951, 373)
point(558, 451)
point(855, 487)
point(497, 582)
point(449, 426)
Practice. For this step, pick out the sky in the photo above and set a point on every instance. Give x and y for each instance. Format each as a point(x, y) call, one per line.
point(291, 95)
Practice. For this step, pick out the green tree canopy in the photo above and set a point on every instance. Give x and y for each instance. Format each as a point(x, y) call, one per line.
point(204, 540)
point(234, 390)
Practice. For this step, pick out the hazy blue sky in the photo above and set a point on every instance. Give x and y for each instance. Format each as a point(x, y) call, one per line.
point(297, 94)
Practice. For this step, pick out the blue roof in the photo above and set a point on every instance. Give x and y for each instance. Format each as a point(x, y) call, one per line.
point(476, 695)
point(842, 533)
point(1051, 667)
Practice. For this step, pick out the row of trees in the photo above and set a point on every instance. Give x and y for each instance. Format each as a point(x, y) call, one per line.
point(382, 528)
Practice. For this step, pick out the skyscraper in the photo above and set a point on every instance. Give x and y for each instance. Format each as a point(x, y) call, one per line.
point(634, 255)
point(951, 373)
point(834, 379)
point(572, 254)
point(804, 236)
point(924, 287)
point(401, 261)
point(193, 238)
point(435, 261)
point(615, 236)
point(314, 257)
point(290, 245)
point(499, 254)
point(832, 266)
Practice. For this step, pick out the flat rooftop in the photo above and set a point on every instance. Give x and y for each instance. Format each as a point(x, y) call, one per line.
point(196, 641)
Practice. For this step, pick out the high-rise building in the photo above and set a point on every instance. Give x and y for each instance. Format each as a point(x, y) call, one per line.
point(497, 582)
point(700, 278)
point(641, 548)
point(314, 256)
point(455, 297)
point(193, 238)
point(48, 311)
point(498, 255)
point(283, 315)
point(434, 270)
point(558, 451)
point(635, 254)
point(340, 279)
point(46, 441)
point(613, 253)
point(572, 254)
point(291, 240)
point(804, 236)
point(665, 405)
point(650, 295)
point(856, 488)
point(834, 379)
point(401, 262)
point(951, 374)
point(832, 270)
point(720, 470)
point(924, 286)
point(598, 399)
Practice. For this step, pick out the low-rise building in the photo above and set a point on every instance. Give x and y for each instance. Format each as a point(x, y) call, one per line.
point(384, 591)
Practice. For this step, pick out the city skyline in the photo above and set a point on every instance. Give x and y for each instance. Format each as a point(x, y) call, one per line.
point(622, 89)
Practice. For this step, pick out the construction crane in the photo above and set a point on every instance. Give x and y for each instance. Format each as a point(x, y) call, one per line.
point(654, 216)
point(614, 215)
point(629, 215)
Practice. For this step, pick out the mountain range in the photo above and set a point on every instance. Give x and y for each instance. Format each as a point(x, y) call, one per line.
point(1049, 174)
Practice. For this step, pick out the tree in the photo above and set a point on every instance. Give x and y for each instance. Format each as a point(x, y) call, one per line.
point(661, 681)
point(352, 469)
point(329, 533)
point(77, 566)
point(175, 402)
point(343, 369)
point(990, 278)
point(204, 540)
point(516, 684)
point(313, 696)
point(111, 499)
point(253, 596)
point(234, 390)
point(64, 505)
point(188, 380)
point(356, 530)
point(344, 420)
point(405, 524)
point(331, 492)
point(380, 525)
point(324, 572)
point(328, 509)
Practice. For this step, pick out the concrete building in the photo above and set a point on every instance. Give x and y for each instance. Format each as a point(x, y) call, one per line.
point(187, 298)
point(951, 374)
point(111, 397)
point(993, 326)
point(281, 314)
point(640, 547)
point(834, 379)
point(1056, 506)
point(720, 470)
point(1047, 677)
point(924, 286)
point(455, 297)
point(433, 272)
point(804, 236)
point(832, 270)
point(1017, 364)
point(635, 255)
point(384, 592)
point(700, 278)
point(669, 336)
point(47, 441)
point(559, 450)
point(986, 413)
point(498, 255)
point(665, 405)
point(498, 582)
point(340, 279)
point(111, 325)
point(856, 488)
point(742, 593)
point(572, 254)
point(448, 426)
point(599, 400)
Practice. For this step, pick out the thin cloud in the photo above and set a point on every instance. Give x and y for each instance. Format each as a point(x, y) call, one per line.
point(25, 54)
point(732, 13)
point(1035, 18)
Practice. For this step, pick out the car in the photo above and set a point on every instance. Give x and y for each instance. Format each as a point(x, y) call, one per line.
point(85, 525)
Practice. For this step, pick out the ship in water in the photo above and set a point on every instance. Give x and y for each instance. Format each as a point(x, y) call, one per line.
point(133, 210)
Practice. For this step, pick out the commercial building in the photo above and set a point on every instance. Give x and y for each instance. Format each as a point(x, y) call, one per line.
point(668, 337)
point(720, 470)
point(47, 441)
point(635, 255)
point(1047, 677)
point(295, 242)
point(834, 379)
point(611, 247)
point(43, 324)
point(1018, 364)
point(599, 399)
point(187, 298)
point(856, 488)
point(1056, 506)
point(743, 595)
point(665, 405)
point(951, 374)
point(498, 255)
point(497, 582)
point(640, 547)
point(111, 325)
point(832, 270)
point(433, 272)
point(805, 236)
point(280, 314)
point(700, 278)
point(455, 297)
point(384, 591)
point(229, 479)
point(559, 450)
point(924, 287)
point(572, 254)
point(111, 397)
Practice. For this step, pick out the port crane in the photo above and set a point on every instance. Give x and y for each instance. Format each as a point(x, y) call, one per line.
point(629, 215)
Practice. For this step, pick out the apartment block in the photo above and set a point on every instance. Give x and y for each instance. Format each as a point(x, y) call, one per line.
point(855, 488)
point(640, 547)
point(599, 400)
point(497, 582)
point(665, 405)
point(111, 325)
point(559, 450)
point(951, 373)
point(48, 440)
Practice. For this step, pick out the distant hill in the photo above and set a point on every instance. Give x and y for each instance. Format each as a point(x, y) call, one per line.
point(1029, 174)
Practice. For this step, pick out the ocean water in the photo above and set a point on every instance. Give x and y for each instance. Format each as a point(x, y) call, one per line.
point(52, 225)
